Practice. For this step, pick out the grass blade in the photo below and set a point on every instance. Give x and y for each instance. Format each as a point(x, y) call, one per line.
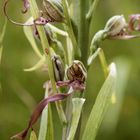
point(76, 112)
point(101, 105)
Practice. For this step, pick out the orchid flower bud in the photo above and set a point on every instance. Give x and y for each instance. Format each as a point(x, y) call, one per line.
point(58, 68)
point(115, 25)
point(54, 10)
point(77, 71)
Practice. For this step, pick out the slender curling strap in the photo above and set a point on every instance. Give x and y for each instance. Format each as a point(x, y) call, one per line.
point(12, 21)
point(38, 21)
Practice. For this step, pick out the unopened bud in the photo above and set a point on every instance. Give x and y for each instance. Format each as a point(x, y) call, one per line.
point(58, 68)
point(77, 71)
point(54, 10)
point(115, 25)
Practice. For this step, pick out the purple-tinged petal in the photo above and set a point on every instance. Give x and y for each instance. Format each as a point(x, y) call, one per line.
point(42, 21)
point(134, 23)
point(37, 112)
point(63, 83)
point(26, 6)
point(76, 85)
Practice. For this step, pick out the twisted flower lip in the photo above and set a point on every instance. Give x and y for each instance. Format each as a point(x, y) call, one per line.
point(73, 86)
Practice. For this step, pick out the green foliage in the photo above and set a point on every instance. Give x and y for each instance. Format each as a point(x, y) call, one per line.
point(112, 109)
point(33, 136)
point(76, 113)
point(101, 105)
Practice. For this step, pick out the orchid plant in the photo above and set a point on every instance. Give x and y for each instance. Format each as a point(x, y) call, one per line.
point(68, 63)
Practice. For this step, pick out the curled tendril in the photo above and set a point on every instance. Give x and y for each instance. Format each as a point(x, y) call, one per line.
point(38, 21)
point(134, 23)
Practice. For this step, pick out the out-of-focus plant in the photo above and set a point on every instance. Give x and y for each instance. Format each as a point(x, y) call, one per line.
point(1, 38)
point(2, 34)
point(68, 62)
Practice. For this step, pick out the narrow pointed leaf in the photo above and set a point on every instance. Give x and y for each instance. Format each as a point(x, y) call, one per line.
point(76, 112)
point(44, 119)
point(50, 129)
point(123, 67)
point(101, 105)
point(33, 136)
point(29, 34)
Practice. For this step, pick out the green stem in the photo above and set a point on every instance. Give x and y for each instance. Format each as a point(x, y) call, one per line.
point(70, 29)
point(83, 32)
point(45, 45)
point(70, 56)
point(92, 9)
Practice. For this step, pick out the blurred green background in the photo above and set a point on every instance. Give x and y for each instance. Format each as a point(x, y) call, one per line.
point(22, 90)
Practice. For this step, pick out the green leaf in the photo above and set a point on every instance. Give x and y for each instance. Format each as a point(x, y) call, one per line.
point(29, 34)
point(76, 112)
point(101, 105)
point(44, 119)
point(123, 71)
point(33, 136)
point(50, 133)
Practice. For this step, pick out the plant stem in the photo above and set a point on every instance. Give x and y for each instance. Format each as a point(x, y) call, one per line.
point(92, 9)
point(70, 29)
point(83, 32)
point(45, 45)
